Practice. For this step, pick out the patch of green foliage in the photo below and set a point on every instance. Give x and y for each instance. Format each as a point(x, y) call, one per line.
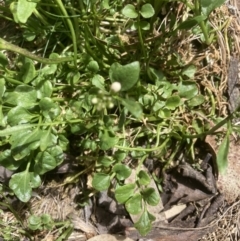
point(90, 81)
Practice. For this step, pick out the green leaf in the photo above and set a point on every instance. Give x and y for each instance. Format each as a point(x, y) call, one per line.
point(105, 4)
point(167, 88)
point(120, 155)
point(23, 143)
point(2, 117)
point(101, 181)
point(122, 171)
point(19, 115)
point(28, 71)
point(89, 145)
point(133, 107)
point(22, 183)
point(12, 130)
point(93, 66)
point(209, 5)
point(144, 224)
point(13, 8)
point(156, 75)
point(49, 69)
point(142, 24)
point(150, 196)
point(123, 193)
point(63, 142)
point(28, 35)
point(35, 180)
point(98, 81)
point(164, 113)
point(107, 140)
point(134, 204)
point(187, 89)
point(44, 162)
point(23, 95)
point(2, 87)
point(126, 75)
point(47, 221)
point(189, 71)
point(147, 10)
point(129, 11)
point(3, 60)
point(173, 102)
point(47, 139)
point(147, 100)
point(8, 161)
point(222, 155)
point(196, 101)
point(143, 178)
point(50, 110)
point(44, 88)
point(34, 222)
point(191, 22)
point(56, 152)
point(73, 78)
point(25, 9)
point(105, 161)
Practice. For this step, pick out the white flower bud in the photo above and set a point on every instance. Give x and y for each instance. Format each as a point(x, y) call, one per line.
point(110, 105)
point(115, 87)
point(94, 100)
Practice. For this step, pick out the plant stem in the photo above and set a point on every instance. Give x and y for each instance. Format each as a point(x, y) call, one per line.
point(69, 22)
point(4, 45)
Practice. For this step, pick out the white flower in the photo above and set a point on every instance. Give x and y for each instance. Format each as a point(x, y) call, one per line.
point(115, 87)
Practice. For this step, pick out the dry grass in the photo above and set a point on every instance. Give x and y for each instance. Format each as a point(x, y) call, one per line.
point(228, 226)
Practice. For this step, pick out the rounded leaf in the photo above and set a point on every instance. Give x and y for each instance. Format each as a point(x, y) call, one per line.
point(107, 140)
point(173, 102)
point(122, 171)
point(23, 95)
point(34, 222)
point(25, 9)
point(129, 11)
point(101, 181)
point(134, 204)
point(196, 101)
point(44, 162)
point(93, 66)
point(143, 178)
point(105, 161)
point(19, 115)
point(144, 224)
point(147, 10)
point(126, 75)
point(123, 193)
point(120, 155)
point(133, 107)
point(151, 196)
point(98, 81)
point(187, 89)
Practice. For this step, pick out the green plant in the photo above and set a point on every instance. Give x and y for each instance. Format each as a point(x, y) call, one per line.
point(95, 94)
point(201, 10)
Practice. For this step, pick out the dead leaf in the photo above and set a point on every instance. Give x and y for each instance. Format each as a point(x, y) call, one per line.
point(174, 210)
